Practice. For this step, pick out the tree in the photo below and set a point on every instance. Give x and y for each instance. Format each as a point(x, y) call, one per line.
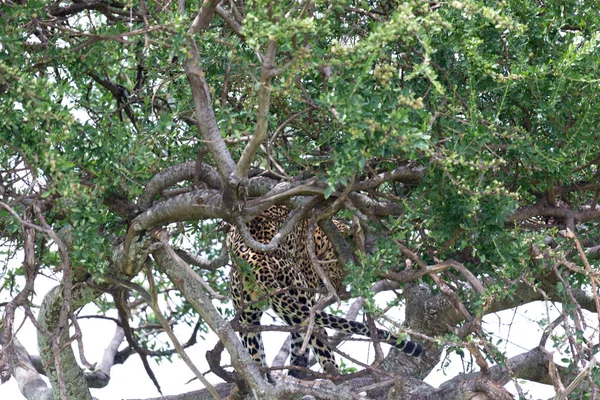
point(457, 141)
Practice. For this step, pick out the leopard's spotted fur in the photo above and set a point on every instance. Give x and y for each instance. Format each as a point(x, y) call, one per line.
point(258, 273)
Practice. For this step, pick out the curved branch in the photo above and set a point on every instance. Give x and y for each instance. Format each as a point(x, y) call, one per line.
point(175, 174)
point(211, 265)
point(339, 244)
point(369, 206)
point(577, 187)
point(441, 314)
point(100, 377)
point(532, 366)
point(199, 204)
point(294, 218)
point(107, 8)
point(404, 174)
point(543, 209)
point(7, 357)
point(410, 275)
point(62, 366)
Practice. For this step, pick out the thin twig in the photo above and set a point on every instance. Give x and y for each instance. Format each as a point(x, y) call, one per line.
point(590, 272)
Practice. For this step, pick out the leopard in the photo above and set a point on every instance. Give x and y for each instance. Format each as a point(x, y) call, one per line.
point(286, 281)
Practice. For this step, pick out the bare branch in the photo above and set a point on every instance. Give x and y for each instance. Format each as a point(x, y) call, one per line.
point(100, 377)
point(186, 281)
point(206, 121)
point(204, 16)
point(55, 351)
point(175, 174)
point(31, 383)
point(233, 24)
point(290, 223)
point(211, 265)
point(584, 373)
point(199, 204)
point(267, 72)
point(403, 174)
point(590, 273)
point(165, 325)
point(7, 360)
point(544, 209)
point(109, 9)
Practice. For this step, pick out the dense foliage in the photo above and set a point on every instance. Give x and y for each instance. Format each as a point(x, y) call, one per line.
point(458, 140)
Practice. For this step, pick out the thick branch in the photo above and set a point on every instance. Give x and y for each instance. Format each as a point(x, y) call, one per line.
point(224, 390)
point(370, 206)
point(206, 121)
point(204, 263)
point(544, 209)
point(233, 24)
point(267, 72)
point(199, 204)
point(187, 281)
point(175, 174)
point(403, 174)
point(339, 244)
point(109, 9)
point(269, 192)
point(31, 384)
point(75, 384)
point(532, 366)
point(204, 17)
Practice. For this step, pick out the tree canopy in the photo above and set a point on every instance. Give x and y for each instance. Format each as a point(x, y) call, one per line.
point(457, 140)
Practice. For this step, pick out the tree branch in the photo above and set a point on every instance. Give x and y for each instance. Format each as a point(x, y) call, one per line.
point(267, 72)
point(410, 175)
point(211, 265)
point(294, 218)
point(30, 382)
point(64, 366)
point(107, 8)
point(175, 174)
point(186, 280)
point(543, 209)
point(233, 24)
point(199, 204)
point(100, 377)
point(206, 121)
